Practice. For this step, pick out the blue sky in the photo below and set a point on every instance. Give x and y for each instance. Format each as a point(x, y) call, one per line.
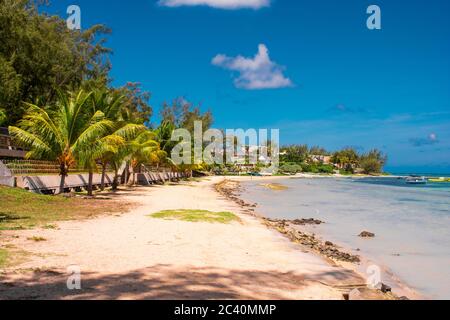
point(310, 68)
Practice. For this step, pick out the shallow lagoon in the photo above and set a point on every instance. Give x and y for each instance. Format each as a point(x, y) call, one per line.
point(411, 223)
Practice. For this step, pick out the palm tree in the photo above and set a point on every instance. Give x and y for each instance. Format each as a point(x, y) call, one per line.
point(112, 104)
point(163, 135)
point(139, 148)
point(63, 135)
point(96, 150)
point(142, 149)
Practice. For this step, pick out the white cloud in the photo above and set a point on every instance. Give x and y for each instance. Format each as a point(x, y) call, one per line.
point(220, 4)
point(258, 72)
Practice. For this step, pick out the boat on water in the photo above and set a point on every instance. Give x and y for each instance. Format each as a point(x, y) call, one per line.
point(416, 180)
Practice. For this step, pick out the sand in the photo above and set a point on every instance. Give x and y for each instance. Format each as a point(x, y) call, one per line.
point(134, 256)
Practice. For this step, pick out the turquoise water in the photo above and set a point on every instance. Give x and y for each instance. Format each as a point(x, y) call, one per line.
point(411, 223)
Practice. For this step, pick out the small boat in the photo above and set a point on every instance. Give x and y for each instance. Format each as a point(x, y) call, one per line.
point(255, 174)
point(416, 180)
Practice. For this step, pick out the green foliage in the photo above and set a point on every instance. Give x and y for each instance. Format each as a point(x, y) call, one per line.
point(290, 168)
point(2, 117)
point(294, 153)
point(137, 108)
point(373, 162)
point(310, 168)
point(3, 257)
point(183, 114)
point(39, 56)
point(347, 159)
point(293, 168)
point(164, 136)
point(66, 135)
point(318, 151)
point(325, 168)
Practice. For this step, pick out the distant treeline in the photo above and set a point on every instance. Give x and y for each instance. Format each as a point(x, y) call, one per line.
point(301, 158)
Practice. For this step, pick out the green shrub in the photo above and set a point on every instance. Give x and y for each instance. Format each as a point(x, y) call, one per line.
point(310, 167)
point(290, 168)
point(326, 168)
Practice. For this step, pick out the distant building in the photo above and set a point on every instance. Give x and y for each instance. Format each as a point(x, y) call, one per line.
point(7, 147)
point(320, 159)
point(261, 152)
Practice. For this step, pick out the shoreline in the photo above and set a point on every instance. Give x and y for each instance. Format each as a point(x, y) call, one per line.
point(400, 288)
point(134, 256)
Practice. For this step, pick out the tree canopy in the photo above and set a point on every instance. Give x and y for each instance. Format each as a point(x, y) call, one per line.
point(39, 55)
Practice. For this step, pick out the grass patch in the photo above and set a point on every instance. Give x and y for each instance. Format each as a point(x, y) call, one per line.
point(196, 216)
point(21, 209)
point(37, 239)
point(3, 257)
point(50, 227)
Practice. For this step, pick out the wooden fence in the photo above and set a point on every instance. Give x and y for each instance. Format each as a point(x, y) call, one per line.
point(39, 167)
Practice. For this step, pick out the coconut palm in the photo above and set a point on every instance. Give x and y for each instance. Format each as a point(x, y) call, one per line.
point(142, 149)
point(88, 156)
point(112, 104)
point(139, 148)
point(163, 135)
point(63, 135)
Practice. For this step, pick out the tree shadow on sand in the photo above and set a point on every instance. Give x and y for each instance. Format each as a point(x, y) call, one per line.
point(168, 282)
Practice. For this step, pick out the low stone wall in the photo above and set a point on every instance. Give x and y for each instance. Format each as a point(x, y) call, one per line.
point(6, 178)
point(50, 184)
point(7, 181)
point(149, 178)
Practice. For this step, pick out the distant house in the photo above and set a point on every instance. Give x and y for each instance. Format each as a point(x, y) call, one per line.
point(7, 147)
point(260, 152)
point(320, 159)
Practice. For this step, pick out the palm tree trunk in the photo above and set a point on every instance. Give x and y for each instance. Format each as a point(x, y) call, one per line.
point(126, 173)
point(62, 183)
point(133, 178)
point(102, 184)
point(91, 178)
point(63, 174)
point(116, 180)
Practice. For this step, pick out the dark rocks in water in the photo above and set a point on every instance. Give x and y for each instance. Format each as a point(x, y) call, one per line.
point(327, 249)
point(297, 222)
point(301, 222)
point(367, 234)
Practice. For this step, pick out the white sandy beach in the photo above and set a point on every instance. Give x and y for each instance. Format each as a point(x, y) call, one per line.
point(133, 256)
